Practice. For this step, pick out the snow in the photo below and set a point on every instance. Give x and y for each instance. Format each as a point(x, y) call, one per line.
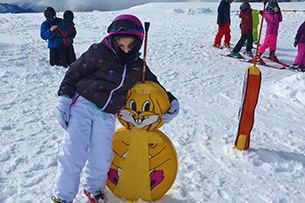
point(208, 86)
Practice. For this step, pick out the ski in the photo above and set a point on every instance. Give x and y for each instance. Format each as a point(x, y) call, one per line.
point(250, 60)
point(279, 62)
point(266, 64)
point(231, 56)
point(222, 47)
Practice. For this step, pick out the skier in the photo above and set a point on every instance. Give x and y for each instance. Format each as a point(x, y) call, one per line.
point(223, 22)
point(246, 31)
point(66, 33)
point(47, 29)
point(273, 17)
point(299, 40)
point(255, 23)
point(93, 90)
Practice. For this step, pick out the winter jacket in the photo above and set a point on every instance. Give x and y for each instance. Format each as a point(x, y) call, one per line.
point(255, 17)
point(46, 34)
point(223, 16)
point(65, 32)
point(300, 36)
point(246, 21)
point(101, 78)
point(273, 21)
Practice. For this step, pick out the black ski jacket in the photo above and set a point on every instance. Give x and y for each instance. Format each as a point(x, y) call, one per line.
point(100, 77)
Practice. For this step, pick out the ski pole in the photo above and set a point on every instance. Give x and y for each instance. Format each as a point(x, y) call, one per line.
point(260, 33)
point(146, 26)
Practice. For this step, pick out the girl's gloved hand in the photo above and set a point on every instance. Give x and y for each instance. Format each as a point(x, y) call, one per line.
point(63, 111)
point(172, 112)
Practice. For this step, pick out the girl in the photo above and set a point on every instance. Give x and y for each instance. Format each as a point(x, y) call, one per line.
point(93, 90)
point(299, 62)
point(273, 17)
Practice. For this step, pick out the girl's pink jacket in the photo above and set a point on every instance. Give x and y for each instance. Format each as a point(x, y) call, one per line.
point(273, 21)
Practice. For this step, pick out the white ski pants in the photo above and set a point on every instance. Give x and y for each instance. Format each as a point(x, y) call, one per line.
point(88, 140)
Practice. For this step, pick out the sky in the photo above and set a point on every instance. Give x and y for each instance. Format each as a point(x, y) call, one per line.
point(207, 84)
point(85, 5)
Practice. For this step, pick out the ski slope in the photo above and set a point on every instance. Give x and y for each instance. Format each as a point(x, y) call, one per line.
point(209, 89)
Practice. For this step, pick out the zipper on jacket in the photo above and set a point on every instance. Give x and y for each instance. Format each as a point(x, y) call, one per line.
point(112, 91)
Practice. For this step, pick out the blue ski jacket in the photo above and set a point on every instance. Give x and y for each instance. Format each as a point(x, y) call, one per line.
point(46, 34)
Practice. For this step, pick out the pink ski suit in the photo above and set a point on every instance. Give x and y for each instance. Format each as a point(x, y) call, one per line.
point(300, 41)
point(273, 20)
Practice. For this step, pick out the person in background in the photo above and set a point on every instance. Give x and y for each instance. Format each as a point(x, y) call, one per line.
point(47, 32)
point(93, 90)
point(255, 23)
point(299, 40)
point(223, 22)
point(273, 17)
point(66, 32)
point(246, 31)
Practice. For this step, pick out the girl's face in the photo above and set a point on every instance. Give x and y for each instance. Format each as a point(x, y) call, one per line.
point(125, 43)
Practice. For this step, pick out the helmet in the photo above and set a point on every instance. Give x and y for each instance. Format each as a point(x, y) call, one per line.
point(245, 6)
point(126, 24)
point(49, 12)
point(68, 15)
point(271, 5)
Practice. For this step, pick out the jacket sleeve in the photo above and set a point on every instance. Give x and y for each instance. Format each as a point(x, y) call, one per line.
point(279, 17)
point(300, 32)
point(45, 33)
point(83, 66)
point(273, 18)
point(220, 16)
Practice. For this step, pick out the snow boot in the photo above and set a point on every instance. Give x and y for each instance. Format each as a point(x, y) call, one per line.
point(227, 45)
point(96, 197)
point(236, 55)
point(58, 200)
point(249, 53)
point(296, 67)
point(217, 46)
point(273, 57)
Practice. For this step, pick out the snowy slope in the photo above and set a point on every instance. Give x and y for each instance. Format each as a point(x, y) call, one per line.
point(208, 86)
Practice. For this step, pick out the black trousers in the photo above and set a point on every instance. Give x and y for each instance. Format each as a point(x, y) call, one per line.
point(54, 57)
point(66, 55)
point(248, 36)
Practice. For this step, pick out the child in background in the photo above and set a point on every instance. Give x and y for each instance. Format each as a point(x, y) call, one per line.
point(47, 32)
point(66, 32)
point(223, 22)
point(273, 17)
point(246, 31)
point(299, 62)
point(255, 23)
